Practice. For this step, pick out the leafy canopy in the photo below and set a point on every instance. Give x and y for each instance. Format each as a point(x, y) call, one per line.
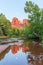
point(35, 14)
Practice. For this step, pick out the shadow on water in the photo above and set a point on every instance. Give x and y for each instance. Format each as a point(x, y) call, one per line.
point(33, 52)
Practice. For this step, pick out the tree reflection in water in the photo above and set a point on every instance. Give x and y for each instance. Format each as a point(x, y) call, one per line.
point(35, 57)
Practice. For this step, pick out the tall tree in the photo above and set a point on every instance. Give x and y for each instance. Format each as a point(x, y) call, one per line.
point(35, 14)
point(4, 24)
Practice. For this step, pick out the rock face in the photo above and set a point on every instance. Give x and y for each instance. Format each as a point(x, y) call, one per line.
point(19, 24)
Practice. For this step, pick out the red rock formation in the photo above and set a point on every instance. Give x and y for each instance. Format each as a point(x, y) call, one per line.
point(25, 22)
point(16, 23)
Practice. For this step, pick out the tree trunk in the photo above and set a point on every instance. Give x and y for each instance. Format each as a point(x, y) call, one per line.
point(38, 38)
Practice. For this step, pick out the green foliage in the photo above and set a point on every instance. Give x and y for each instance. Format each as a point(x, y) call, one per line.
point(34, 12)
point(4, 25)
point(35, 15)
point(33, 31)
point(14, 32)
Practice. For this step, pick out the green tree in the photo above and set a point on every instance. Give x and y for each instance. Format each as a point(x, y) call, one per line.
point(15, 32)
point(4, 24)
point(35, 15)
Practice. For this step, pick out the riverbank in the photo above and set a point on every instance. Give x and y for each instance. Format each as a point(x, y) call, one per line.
point(3, 37)
point(3, 48)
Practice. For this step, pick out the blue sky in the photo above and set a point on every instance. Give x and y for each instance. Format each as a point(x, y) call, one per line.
point(15, 8)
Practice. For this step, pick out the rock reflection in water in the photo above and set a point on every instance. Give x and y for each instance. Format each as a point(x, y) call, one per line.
point(16, 48)
point(34, 53)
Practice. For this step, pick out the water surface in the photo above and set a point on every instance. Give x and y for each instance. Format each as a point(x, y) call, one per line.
point(25, 54)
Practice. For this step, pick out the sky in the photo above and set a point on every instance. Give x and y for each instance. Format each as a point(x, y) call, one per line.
point(15, 8)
